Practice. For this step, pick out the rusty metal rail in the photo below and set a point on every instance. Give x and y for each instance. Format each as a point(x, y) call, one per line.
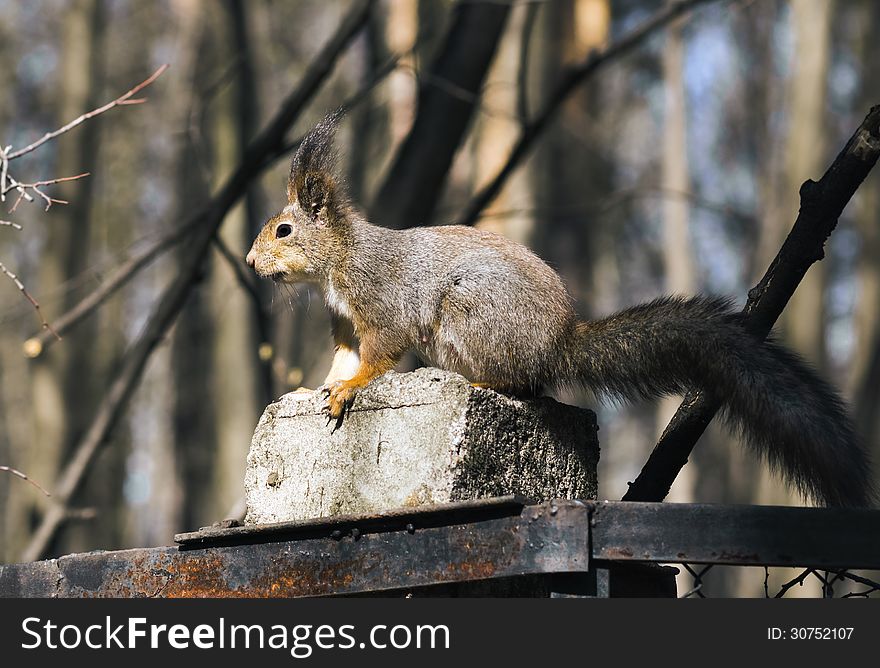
point(824, 538)
point(568, 545)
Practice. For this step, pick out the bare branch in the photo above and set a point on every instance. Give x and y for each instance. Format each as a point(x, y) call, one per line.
point(81, 514)
point(243, 276)
point(797, 581)
point(37, 344)
point(36, 186)
point(594, 62)
point(124, 99)
point(8, 183)
point(209, 219)
point(357, 98)
point(605, 205)
point(821, 206)
point(17, 473)
point(30, 298)
point(4, 170)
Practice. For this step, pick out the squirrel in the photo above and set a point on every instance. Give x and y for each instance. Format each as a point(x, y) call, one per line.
point(484, 306)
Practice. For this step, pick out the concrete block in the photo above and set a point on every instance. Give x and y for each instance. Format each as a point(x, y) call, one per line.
point(412, 439)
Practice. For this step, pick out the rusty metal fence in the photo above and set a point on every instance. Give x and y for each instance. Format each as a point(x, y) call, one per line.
point(503, 546)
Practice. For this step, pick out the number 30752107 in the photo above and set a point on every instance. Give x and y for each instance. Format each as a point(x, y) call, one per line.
point(810, 633)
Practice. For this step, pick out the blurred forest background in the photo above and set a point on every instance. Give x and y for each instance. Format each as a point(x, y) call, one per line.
point(670, 166)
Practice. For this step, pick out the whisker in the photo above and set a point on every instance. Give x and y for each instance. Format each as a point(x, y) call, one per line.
point(291, 294)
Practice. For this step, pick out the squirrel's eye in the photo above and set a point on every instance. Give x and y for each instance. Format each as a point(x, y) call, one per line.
point(283, 230)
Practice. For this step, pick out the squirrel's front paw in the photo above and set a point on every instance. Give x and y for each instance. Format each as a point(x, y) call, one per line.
point(339, 394)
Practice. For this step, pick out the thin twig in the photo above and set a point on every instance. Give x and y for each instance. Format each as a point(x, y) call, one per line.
point(357, 98)
point(124, 99)
point(243, 276)
point(8, 183)
point(81, 514)
point(35, 187)
point(22, 193)
point(4, 170)
point(37, 344)
point(865, 593)
point(263, 316)
point(173, 299)
point(798, 581)
point(27, 295)
point(858, 578)
point(576, 76)
point(16, 472)
point(605, 205)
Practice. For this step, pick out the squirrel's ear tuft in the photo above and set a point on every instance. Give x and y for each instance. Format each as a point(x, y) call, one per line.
point(312, 182)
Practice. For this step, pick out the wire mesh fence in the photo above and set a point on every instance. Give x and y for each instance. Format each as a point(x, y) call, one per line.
point(827, 583)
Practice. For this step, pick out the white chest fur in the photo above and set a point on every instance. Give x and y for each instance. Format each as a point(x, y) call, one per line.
point(336, 301)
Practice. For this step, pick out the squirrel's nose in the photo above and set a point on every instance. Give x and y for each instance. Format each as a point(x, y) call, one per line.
point(251, 258)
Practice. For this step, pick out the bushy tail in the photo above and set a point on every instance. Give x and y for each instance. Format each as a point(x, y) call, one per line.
point(787, 413)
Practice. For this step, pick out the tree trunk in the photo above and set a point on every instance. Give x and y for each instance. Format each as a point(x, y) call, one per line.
point(803, 322)
point(864, 378)
point(194, 418)
point(448, 96)
point(678, 257)
point(241, 388)
point(64, 383)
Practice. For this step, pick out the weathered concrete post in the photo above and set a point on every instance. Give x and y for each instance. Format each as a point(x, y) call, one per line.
point(412, 439)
